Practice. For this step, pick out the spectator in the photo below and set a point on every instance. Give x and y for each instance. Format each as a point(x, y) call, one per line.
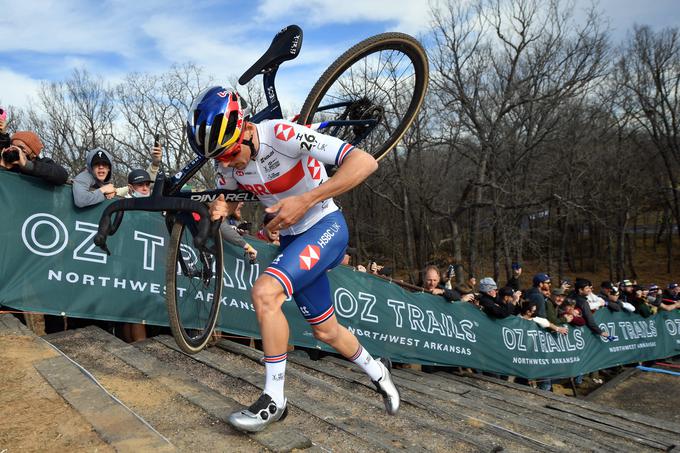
point(554, 305)
point(139, 184)
point(23, 156)
point(539, 293)
point(606, 290)
point(582, 288)
point(670, 299)
point(528, 312)
point(472, 281)
point(93, 185)
point(566, 285)
point(614, 299)
point(375, 268)
point(489, 302)
point(271, 237)
point(513, 282)
point(151, 170)
point(467, 293)
point(626, 287)
point(572, 313)
point(655, 295)
point(672, 292)
point(640, 302)
point(432, 284)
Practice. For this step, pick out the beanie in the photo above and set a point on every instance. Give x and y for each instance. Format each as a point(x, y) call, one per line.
point(487, 284)
point(31, 140)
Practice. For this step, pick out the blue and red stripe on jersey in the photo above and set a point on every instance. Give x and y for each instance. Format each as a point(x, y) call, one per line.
point(322, 317)
point(343, 152)
point(282, 278)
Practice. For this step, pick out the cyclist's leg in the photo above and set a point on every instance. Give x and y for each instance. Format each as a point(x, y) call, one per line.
point(316, 305)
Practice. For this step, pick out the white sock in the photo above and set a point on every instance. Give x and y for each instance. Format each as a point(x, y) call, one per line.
point(275, 374)
point(367, 363)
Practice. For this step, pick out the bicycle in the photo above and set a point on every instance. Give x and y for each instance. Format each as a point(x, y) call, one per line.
point(358, 99)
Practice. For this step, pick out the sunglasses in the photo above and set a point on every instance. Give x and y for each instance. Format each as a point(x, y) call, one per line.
point(230, 152)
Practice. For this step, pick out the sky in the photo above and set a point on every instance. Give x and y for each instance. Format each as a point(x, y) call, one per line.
point(45, 40)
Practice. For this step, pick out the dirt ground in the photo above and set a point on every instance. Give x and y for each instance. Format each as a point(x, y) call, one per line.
point(34, 417)
point(652, 394)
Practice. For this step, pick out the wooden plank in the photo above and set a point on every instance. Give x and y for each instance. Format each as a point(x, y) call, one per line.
point(657, 425)
point(255, 355)
point(9, 325)
point(115, 423)
point(339, 417)
point(610, 385)
point(219, 406)
point(602, 421)
point(354, 376)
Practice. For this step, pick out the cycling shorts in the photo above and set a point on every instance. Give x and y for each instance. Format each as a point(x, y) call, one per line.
point(303, 261)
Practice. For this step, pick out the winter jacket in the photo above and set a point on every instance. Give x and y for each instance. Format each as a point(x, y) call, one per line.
point(582, 304)
point(86, 187)
point(495, 308)
point(535, 295)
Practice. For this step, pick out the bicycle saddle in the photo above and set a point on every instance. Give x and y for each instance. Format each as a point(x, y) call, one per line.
point(285, 46)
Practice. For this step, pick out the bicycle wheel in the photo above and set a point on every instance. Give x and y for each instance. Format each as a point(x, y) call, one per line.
point(193, 286)
point(371, 94)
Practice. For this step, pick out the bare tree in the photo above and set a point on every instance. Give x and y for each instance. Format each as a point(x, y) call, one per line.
point(648, 77)
point(503, 70)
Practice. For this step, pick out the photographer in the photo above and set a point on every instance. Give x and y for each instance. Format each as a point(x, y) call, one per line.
point(151, 170)
point(432, 284)
point(23, 156)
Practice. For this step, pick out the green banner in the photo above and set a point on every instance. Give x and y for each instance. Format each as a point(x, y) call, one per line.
point(49, 264)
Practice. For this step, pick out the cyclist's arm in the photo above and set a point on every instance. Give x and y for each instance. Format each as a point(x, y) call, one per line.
point(356, 167)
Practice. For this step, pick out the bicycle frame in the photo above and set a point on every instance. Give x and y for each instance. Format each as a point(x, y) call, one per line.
point(167, 195)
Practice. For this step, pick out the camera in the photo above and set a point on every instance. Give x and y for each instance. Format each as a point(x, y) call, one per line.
point(10, 155)
point(451, 272)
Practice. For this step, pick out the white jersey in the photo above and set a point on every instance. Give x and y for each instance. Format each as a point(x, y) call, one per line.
point(289, 162)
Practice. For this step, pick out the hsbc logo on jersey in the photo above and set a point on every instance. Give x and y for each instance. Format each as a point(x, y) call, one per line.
point(284, 132)
point(309, 257)
point(314, 167)
point(239, 172)
point(222, 94)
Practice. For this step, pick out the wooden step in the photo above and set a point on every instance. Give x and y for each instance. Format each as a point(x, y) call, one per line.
point(115, 423)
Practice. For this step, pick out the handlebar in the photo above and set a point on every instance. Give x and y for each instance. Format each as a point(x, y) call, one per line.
point(175, 204)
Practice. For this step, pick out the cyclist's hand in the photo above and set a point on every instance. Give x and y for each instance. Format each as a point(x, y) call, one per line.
point(288, 212)
point(218, 208)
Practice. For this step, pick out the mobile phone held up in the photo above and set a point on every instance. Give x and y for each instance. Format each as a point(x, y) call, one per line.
point(3, 114)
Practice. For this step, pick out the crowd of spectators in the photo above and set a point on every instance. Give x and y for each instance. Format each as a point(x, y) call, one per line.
point(554, 308)
point(551, 308)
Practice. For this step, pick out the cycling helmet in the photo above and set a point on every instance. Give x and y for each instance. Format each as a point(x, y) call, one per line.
point(215, 122)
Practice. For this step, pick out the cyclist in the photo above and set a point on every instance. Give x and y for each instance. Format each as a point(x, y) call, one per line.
point(282, 163)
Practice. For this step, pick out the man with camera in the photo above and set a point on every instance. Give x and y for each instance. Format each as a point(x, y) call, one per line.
point(21, 154)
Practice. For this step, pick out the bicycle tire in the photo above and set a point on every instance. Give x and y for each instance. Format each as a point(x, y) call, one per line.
point(192, 319)
point(399, 42)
